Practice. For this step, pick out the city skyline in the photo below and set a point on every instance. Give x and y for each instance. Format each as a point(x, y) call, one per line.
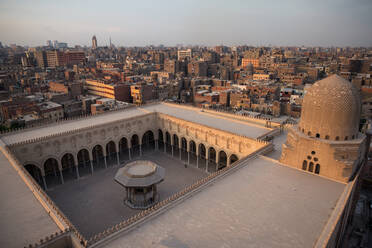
point(285, 23)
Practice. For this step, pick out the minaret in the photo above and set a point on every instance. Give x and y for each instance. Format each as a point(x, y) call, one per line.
point(94, 42)
point(110, 43)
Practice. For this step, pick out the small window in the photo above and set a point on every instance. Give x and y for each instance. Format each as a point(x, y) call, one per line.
point(303, 130)
point(308, 157)
point(346, 138)
point(337, 138)
point(315, 159)
point(313, 152)
point(311, 166)
point(309, 133)
point(327, 137)
point(317, 169)
point(317, 135)
point(304, 165)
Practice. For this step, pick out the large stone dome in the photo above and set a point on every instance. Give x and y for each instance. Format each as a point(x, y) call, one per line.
point(331, 110)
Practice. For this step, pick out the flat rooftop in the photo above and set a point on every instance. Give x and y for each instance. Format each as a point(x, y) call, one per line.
point(196, 115)
point(188, 114)
point(70, 125)
point(263, 204)
point(23, 220)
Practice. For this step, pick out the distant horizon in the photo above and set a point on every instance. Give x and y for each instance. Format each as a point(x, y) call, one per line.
point(287, 23)
point(180, 45)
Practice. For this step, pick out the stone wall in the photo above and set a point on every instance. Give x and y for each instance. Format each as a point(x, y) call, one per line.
point(337, 160)
point(37, 151)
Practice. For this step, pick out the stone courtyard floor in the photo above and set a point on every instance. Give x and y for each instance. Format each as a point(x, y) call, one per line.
point(95, 202)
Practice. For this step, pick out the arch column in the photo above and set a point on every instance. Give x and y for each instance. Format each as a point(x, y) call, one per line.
point(43, 177)
point(117, 159)
point(197, 156)
point(117, 153)
point(104, 156)
point(180, 148)
point(228, 160)
point(91, 160)
point(172, 143)
point(188, 154)
point(165, 145)
point(156, 139)
point(76, 168)
point(140, 146)
point(60, 171)
point(129, 148)
point(206, 159)
point(217, 160)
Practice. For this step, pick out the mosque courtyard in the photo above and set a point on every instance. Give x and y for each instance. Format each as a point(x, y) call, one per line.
point(95, 202)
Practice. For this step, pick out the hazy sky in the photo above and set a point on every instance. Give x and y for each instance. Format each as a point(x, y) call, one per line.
point(203, 22)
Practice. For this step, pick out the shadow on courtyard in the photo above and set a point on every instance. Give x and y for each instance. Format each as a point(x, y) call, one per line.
point(95, 202)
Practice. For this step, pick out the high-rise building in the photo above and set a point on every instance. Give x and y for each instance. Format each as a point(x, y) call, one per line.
point(94, 42)
point(49, 43)
point(74, 57)
point(197, 69)
point(141, 93)
point(55, 43)
point(55, 58)
point(41, 58)
point(184, 54)
point(118, 91)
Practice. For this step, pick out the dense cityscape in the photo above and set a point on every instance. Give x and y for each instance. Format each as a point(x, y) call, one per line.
point(55, 81)
point(185, 124)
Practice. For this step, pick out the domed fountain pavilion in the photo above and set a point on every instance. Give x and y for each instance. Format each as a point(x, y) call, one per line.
point(140, 179)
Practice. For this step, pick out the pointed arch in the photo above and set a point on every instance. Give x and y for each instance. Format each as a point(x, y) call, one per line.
point(233, 158)
point(311, 166)
point(98, 156)
point(83, 160)
point(304, 165)
point(148, 141)
point(134, 142)
point(160, 139)
point(68, 167)
point(35, 172)
point(317, 168)
point(222, 160)
point(52, 172)
point(111, 152)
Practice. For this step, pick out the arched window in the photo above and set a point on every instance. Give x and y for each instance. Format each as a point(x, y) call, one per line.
point(317, 169)
point(304, 165)
point(317, 135)
point(311, 166)
point(337, 138)
point(313, 152)
point(327, 137)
